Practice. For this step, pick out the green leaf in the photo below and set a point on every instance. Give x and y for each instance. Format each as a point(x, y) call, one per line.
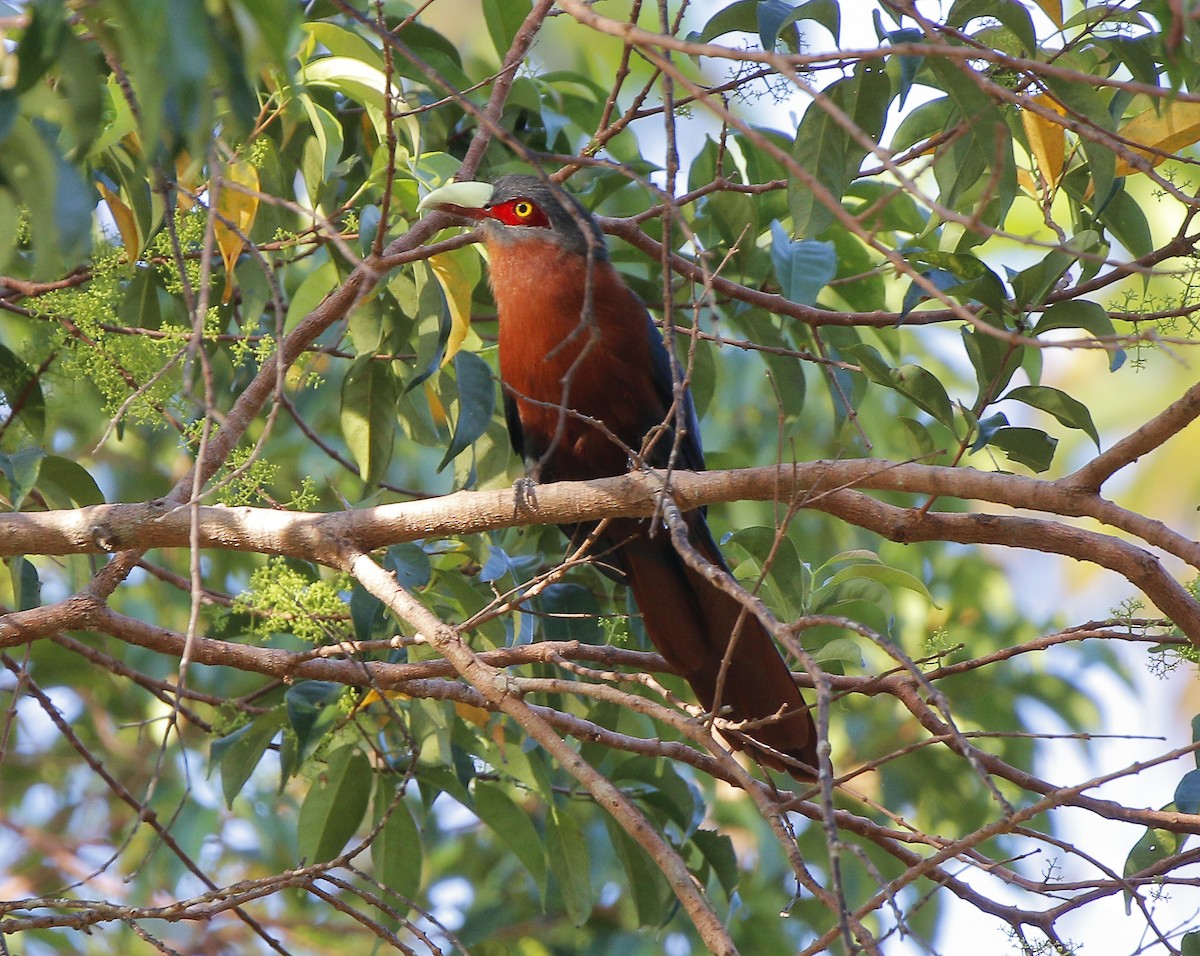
point(1190, 944)
point(717, 850)
point(21, 468)
point(1013, 16)
point(825, 148)
point(513, 826)
point(569, 862)
point(71, 479)
point(645, 882)
point(368, 416)
point(1069, 411)
point(738, 17)
point(503, 20)
point(916, 384)
point(22, 394)
point(310, 712)
point(1085, 98)
point(238, 753)
point(890, 577)
point(27, 586)
point(342, 42)
point(39, 46)
point(1032, 285)
point(476, 403)
point(803, 267)
point(994, 361)
point(773, 16)
point(920, 441)
point(312, 291)
point(665, 789)
point(1081, 314)
point(367, 613)
point(1027, 446)
point(334, 806)
point(571, 613)
point(961, 170)
point(410, 563)
point(396, 850)
point(842, 650)
point(1187, 792)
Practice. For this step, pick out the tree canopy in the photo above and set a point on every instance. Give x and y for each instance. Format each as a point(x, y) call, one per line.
point(288, 664)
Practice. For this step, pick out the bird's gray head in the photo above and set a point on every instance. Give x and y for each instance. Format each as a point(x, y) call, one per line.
point(521, 207)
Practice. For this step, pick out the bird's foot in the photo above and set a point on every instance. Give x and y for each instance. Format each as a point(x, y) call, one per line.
point(525, 492)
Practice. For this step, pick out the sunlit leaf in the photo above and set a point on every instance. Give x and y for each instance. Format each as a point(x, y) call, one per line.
point(237, 205)
point(1047, 139)
point(1163, 130)
point(458, 273)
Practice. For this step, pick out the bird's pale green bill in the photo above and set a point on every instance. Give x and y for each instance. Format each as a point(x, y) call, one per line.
point(466, 198)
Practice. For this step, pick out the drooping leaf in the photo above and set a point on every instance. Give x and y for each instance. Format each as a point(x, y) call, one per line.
point(458, 273)
point(21, 393)
point(239, 753)
point(63, 478)
point(1159, 132)
point(644, 880)
point(826, 149)
point(570, 863)
point(1081, 314)
point(368, 416)
point(1069, 411)
point(237, 204)
point(514, 827)
point(476, 403)
point(916, 384)
point(22, 469)
point(803, 267)
point(1030, 447)
point(335, 805)
point(410, 563)
point(1046, 138)
point(396, 851)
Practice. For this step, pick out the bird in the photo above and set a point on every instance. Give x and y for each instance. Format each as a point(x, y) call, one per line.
point(588, 392)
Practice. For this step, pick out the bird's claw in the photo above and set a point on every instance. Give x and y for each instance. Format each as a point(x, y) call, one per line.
point(525, 492)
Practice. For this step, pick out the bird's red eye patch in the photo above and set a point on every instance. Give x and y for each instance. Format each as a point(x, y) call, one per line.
point(520, 212)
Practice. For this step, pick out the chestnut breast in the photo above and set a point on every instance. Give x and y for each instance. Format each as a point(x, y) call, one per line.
point(561, 340)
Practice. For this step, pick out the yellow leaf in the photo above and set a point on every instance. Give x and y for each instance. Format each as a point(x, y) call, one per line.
point(124, 218)
point(186, 178)
point(1165, 131)
point(476, 715)
point(1052, 9)
point(457, 273)
point(1046, 139)
point(238, 206)
point(436, 408)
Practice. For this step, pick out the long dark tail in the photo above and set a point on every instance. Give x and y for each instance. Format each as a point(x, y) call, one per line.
point(691, 621)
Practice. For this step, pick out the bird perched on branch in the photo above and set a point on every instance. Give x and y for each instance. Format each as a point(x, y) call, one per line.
point(589, 393)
